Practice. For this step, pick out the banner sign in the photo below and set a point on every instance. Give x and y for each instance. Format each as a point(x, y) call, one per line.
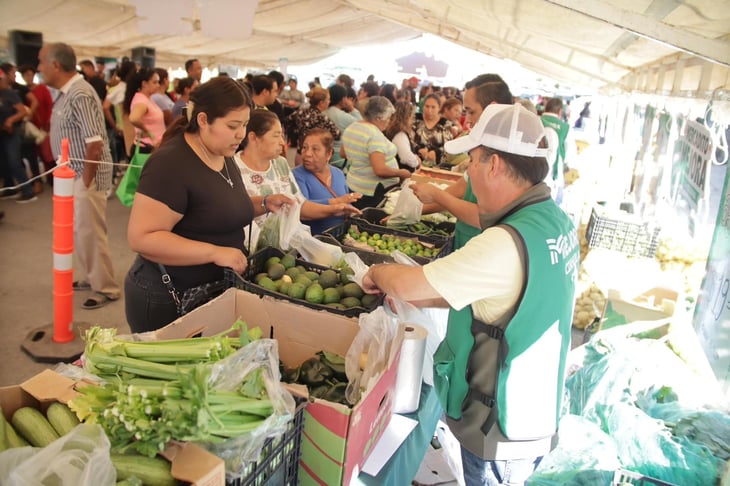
point(691, 162)
point(712, 313)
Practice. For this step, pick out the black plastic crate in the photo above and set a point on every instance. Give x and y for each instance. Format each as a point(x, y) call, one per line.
point(623, 233)
point(279, 463)
point(256, 265)
point(623, 476)
point(374, 216)
point(367, 257)
point(445, 245)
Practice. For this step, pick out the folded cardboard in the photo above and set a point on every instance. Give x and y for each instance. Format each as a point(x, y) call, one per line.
point(337, 440)
point(651, 305)
point(190, 463)
point(438, 176)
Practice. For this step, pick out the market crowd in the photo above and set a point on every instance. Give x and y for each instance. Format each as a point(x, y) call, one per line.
point(225, 154)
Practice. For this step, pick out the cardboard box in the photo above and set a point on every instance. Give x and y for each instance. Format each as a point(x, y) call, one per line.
point(190, 463)
point(440, 176)
point(651, 305)
point(337, 440)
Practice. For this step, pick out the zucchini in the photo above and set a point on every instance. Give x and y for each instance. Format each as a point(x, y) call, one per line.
point(61, 418)
point(152, 471)
point(34, 427)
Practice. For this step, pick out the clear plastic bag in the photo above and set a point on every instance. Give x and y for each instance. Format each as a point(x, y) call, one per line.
point(315, 251)
point(80, 457)
point(377, 330)
point(409, 208)
point(260, 356)
point(358, 267)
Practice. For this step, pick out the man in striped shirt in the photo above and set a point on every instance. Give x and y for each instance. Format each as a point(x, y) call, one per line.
point(78, 116)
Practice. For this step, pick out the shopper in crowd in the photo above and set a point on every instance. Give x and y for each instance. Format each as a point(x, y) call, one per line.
point(367, 91)
point(319, 181)
point(184, 87)
point(264, 91)
point(400, 132)
point(291, 98)
point(12, 112)
point(370, 155)
point(520, 294)
point(162, 98)
point(451, 111)
point(300, 122)
point(144, 114)
point(266, 173)
point(121, 133)
point(41, 118)
point(557, 132)
point(430, 132)
point(190, 209)
point(79, 117)
point(341, 118)
point(194, 69)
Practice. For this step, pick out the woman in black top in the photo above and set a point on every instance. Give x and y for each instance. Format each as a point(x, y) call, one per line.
point(191, 208)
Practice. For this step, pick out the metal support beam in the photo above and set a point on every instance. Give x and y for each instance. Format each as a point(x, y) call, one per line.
point(640, 24)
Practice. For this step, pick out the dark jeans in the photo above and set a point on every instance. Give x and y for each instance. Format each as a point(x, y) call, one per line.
point(480, 472)
point(147, 302)
point(11, 163)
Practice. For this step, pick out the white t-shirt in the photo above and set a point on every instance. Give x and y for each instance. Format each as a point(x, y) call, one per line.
point(485, 273)
point(405, 155)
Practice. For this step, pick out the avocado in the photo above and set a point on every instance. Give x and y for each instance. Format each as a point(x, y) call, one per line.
point(344, 273)
point(268, 284)
point(313, 276)
point(296, 291)
point(314, 294)
point(328, 278)
point(369, 300)
point(259, 276)
point(270, 261)
point(352, 290)
point(292, 272)
point(288, 261)
point(301, 279)
point(284, 287)
point(349, 302)
point(276, 271)
point(331, 295)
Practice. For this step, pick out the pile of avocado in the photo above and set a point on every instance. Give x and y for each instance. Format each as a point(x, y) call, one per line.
point(331, 287)
point(385, 244)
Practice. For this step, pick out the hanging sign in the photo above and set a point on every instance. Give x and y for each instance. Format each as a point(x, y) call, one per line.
point(712, 313)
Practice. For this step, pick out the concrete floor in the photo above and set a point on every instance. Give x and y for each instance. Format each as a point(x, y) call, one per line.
point(26, 286)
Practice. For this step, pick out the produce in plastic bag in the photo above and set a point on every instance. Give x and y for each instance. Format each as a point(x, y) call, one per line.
point(371, 345)
point(408, 209)
point(80, 457)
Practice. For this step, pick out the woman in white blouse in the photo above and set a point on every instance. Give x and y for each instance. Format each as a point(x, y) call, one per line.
point(400, 132)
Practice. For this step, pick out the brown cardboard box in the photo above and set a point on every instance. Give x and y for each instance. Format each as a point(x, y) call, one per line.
point(337, 439)
point(426, 174)
point(190, 462)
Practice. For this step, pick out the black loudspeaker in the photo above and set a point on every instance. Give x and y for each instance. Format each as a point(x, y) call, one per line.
point(144, 56)
point(24, 47)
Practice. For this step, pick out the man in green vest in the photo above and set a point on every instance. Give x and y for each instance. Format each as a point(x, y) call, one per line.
point(556, 132)
point(518, 279)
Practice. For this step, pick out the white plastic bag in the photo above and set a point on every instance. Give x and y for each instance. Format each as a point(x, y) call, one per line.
point(315, 251)
point(358, 267)
point(80, 457)
point(408, 209)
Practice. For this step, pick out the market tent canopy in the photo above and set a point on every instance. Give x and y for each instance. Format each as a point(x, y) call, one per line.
point(655, 46)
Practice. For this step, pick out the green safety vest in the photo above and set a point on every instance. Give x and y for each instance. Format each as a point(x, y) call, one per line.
point(492, 371)
point(561, 128)
point(464, 232)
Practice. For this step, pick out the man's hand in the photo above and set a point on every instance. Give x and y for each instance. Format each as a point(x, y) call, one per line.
point(425, 192)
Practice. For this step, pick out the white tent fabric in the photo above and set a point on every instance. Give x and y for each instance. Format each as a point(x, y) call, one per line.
point(653, 46)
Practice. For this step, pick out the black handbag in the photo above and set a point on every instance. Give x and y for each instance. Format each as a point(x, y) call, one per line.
point(194, 297)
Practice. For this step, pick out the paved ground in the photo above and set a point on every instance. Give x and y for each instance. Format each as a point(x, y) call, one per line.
point(26, 285)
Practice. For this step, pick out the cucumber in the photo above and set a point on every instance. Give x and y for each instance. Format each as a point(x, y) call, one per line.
point(153, 471)
point(61, 418)
point(3, 435)
point(12, 437)
point(34, 427)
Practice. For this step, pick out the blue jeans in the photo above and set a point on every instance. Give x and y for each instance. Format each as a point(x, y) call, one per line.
point(13, 164)
point(480, 472)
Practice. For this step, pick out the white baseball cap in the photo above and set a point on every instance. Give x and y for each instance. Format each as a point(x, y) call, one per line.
point(507, 128)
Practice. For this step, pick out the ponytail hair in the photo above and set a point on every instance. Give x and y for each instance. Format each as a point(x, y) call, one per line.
point(134, 82)
point(216, 99)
